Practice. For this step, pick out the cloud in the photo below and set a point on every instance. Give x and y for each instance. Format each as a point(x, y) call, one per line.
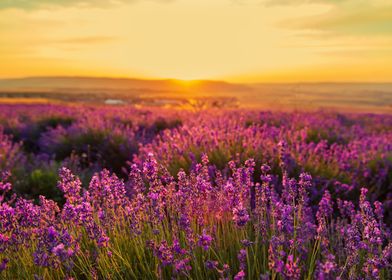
point(360, 20)
point(270, 3)
point(34, 4)
point(86, 40)
point(31, 46)
point(79, 43)
point(298, 2)
point(335, 17)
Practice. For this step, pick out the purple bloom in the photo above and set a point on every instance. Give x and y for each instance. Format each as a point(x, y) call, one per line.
point(163, 252)
point(182, 265)
point(70, 186)
point(205, 240)
point(327, 268)
point(240, 275)
point(379, 211)
point(4, 185)
point(150, 167)
point(212, 265)
point(3, 264)
point(265, 168)
point(240, 215)
point(292, 271)
point(242, 259)
point(246, 243)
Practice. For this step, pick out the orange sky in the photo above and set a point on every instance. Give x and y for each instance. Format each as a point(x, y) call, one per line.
point(237, 40)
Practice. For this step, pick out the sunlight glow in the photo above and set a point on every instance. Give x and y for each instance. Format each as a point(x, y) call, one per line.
point(182, 39)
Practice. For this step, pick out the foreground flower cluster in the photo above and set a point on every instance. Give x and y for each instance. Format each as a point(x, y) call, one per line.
point(204, 224)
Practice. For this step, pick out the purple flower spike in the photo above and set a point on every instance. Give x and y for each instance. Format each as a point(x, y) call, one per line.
point(205, 240)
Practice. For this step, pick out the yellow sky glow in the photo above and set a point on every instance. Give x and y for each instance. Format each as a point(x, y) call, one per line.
point(236, 40)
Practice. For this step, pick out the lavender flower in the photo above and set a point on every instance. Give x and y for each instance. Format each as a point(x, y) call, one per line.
point(240, 215)
point(3, 264)
point(205, 240)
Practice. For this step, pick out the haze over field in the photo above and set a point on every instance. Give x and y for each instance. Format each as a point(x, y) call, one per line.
point(365, 97)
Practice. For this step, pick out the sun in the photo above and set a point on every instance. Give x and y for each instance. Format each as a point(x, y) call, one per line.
point(185, 83)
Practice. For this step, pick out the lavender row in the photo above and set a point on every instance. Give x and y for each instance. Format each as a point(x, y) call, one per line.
point(203, 225)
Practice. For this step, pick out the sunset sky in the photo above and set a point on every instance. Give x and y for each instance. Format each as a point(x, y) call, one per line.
point(235, 40)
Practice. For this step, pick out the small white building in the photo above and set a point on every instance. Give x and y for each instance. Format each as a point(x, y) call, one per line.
point(114, 102)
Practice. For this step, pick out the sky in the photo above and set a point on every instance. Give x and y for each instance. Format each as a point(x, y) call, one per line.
point(234, 40)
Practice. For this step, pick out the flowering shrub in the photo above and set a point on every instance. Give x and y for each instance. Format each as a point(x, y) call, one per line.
point(184, 195)
point(10, 155)
point(201, 225)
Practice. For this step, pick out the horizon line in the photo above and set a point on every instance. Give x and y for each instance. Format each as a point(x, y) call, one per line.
point(188, 80)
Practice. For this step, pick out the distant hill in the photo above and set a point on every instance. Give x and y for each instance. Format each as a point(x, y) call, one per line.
point(104, 84)
point(364, 97)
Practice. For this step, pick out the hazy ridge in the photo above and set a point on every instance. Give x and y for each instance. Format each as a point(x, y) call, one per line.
point(369, 97)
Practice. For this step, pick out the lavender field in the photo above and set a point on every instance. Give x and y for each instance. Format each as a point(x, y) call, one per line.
point(117, 192)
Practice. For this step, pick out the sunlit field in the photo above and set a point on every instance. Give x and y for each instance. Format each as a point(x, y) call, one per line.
point(115, 192)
